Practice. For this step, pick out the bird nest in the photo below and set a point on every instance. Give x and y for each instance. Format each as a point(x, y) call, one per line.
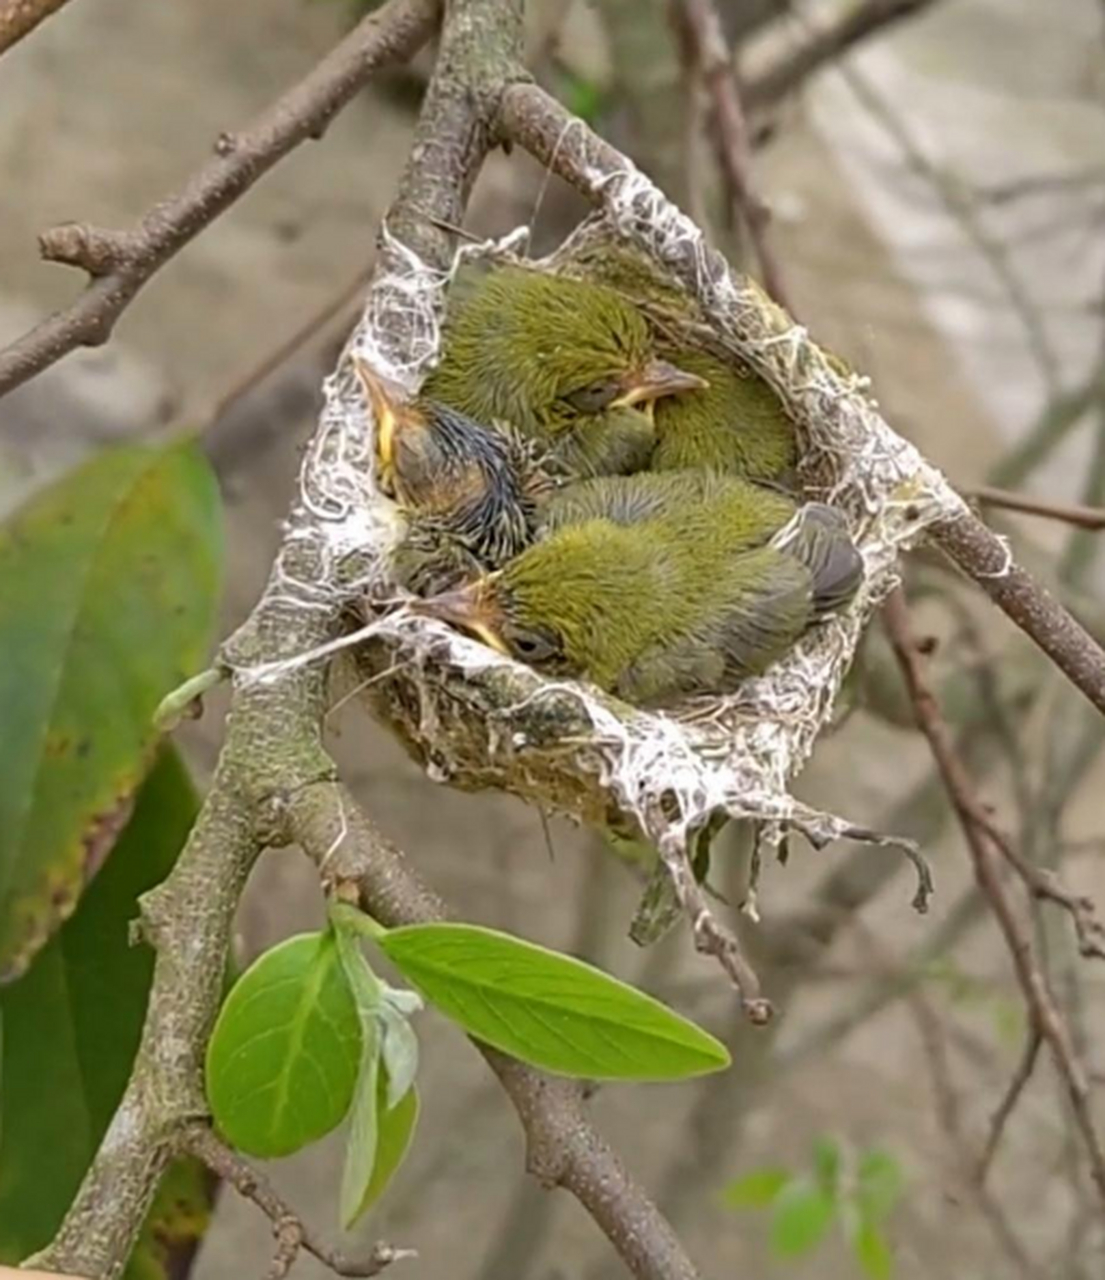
point(474, 718)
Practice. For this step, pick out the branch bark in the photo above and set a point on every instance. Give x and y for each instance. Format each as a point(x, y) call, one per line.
point(18, 18)
point(855, 25)
point(120, 262)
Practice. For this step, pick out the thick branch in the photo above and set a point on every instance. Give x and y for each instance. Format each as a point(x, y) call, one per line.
point(987, 558)
point(18, 18)
point(794, 67)
point(563, 1148)
point(120, 262)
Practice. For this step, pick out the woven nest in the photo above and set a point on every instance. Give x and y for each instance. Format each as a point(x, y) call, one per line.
point(474, 718)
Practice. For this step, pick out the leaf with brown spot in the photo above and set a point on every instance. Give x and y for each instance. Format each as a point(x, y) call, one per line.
point(71, 1026)
point(108, 590)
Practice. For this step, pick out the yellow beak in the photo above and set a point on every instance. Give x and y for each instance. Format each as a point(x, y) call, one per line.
point(384, 410)
point(472, 607)
point(655, 380)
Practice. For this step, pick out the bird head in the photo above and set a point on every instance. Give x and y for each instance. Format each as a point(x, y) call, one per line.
point(399, 425)
point(572, 604)
point(546, 351)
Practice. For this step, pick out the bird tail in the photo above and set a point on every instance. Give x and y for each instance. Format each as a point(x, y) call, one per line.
point(818, 537)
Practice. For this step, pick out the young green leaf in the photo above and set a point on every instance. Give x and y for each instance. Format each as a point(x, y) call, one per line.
point(878, 1184)
point(394, 1130)
point(284, 1057)
point(360, 1147)
point(826, 1163)
point(110, 589)
point(801, 1216)
point(872, 1251)
point(757, 1189)
point(400, 1051)
point(548, 1009)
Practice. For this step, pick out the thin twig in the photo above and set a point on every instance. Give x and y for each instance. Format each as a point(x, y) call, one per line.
point(18, 18)
point(987, 857)
point(291, 1233)
point(707, 40)
point(825, 46)
point(1021, 1077)
point(120, 262)
point(1068, 513)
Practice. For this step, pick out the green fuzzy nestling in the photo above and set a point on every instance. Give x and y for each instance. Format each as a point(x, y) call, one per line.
point(572, 364)
point(735, 423)
point(687, 600)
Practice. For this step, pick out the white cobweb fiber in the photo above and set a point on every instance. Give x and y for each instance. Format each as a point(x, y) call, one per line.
point(668, 773)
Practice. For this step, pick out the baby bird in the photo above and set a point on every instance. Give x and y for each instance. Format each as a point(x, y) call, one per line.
point(570, 363)
point(469, 491)
point(667, 606)
point(735, 423)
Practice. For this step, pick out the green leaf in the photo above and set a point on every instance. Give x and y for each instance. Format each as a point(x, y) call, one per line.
point(400, 1050)
point(878, 1184)
point(175, 1223)
point(110, 585)
point(393, 1139)
point(283, 1060)
point(801, 1216)
point(826, 1164)
point(548, 1009)
point(757, 1189)
point(360, 1147)
point(872, 1251)
point(72, 1023)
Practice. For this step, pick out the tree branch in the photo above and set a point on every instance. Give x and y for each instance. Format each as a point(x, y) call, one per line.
point(18, 18)
point(1081, 517)
point(987, 559)
point(794, 67)
point(289, 1230)
point(707, 41)
point(988, 856)
point(120, 262)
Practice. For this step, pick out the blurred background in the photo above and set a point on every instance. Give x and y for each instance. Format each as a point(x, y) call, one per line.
point(938, 213)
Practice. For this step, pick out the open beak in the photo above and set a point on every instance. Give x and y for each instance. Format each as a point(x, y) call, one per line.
point(657, 379)
point(472, 607)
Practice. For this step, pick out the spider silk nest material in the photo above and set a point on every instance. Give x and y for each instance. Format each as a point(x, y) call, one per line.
point(476, 719)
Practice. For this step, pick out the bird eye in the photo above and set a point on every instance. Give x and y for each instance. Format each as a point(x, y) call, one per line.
point(532, 644)
point(594, 397)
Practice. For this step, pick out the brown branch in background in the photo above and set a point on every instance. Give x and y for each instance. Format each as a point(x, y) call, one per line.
point(1009, 1100)
point(1069, 513)
point(120, 262)
point(988, 858)
point(987, 559)
point(707, 42)
point(291, 1234)
point(18, 18)
point(934, 1045)
point(824, 46)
